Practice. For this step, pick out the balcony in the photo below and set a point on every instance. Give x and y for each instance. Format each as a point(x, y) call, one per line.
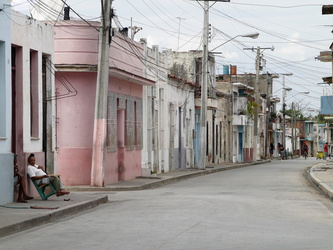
point(240, 120)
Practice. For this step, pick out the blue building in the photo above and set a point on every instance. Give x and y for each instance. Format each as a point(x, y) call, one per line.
point(326, 105)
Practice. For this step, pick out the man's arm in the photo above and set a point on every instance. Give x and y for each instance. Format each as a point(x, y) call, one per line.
point(38, 177)
point(41, 167)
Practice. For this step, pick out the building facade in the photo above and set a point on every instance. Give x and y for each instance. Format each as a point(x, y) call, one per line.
point(76, 55)
point(6, 156)
point(32, 85)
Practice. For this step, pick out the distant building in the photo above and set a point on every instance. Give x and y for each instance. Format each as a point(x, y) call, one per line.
point(168, 110)
point(243, 111)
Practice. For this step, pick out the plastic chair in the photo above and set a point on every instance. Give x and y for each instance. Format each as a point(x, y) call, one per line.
point(41, 189)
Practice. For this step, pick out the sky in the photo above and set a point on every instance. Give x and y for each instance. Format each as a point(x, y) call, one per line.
point(295, 28)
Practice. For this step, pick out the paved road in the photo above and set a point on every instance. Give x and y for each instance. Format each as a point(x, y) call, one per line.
point(269, 206)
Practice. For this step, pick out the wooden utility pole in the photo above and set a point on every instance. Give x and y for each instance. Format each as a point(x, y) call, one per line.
point(100, 123)
point(257, 97)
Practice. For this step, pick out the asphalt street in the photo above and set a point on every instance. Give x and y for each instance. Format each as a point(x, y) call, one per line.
point(268, 206)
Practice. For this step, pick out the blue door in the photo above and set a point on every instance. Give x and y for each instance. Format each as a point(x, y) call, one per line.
point(240, 144)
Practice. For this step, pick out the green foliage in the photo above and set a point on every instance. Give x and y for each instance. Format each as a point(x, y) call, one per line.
point(251, 105)
point(297, 114)
point(319, 119)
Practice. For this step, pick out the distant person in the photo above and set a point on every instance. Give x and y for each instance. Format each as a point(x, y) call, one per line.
point(282, 152)
point(325, 150)
point(305, 150)
point(271, 150)
point(38, 173)
point(21, 183)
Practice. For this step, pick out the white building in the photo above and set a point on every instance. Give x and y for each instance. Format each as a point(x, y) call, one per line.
point(169, 106)
point(6, 156)
point(33, 88)
point(242, 124)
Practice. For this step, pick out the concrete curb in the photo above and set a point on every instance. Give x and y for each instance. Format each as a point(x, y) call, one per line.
point(321, 185)
point(162, 182)
point(53, 215)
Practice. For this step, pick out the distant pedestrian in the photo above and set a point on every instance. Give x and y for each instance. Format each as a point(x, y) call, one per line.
point(282, 152)
point(271, 149)
point(325, 150)
point(305, 150)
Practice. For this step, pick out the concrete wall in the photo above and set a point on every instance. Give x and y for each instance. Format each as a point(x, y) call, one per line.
point(6, 157)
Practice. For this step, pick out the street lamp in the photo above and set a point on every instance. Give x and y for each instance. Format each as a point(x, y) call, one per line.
point(250, 35)
point(303, 92)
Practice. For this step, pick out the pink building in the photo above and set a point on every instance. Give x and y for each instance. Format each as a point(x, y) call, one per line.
point(76, 55)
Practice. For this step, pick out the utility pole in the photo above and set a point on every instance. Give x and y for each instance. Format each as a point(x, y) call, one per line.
point(256, 96)
point(293, 134)
point(203, 120)
point(134, 29)
point(100, 123)
point(284, 116)
point(284, 110)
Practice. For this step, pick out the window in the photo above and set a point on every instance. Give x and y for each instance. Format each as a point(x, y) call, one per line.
point(111, 140)
point(138, 124)
point(161, 122)
point(3, 107)
point(129, 124)
point(34, 98)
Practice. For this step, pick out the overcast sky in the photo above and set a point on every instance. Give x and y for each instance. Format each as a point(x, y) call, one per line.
point(295, 28)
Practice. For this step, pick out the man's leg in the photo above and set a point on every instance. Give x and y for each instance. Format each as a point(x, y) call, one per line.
point(56, 182)
point(20, 193)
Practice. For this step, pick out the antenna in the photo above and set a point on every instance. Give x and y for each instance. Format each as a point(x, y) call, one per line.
point(180, 19)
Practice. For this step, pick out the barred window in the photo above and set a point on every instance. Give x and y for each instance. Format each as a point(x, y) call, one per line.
point(3, 97)
point(139, 124)
point(129, 124)
point(111, 141)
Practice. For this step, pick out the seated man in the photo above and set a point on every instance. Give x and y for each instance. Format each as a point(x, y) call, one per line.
point(20, 181)
point(37, 173)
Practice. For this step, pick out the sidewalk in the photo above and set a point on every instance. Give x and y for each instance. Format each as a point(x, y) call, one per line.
point(15, 217)
point(321, 175)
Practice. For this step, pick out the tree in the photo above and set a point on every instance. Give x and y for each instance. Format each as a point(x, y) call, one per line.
point(297, 114)
point(319, 119)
